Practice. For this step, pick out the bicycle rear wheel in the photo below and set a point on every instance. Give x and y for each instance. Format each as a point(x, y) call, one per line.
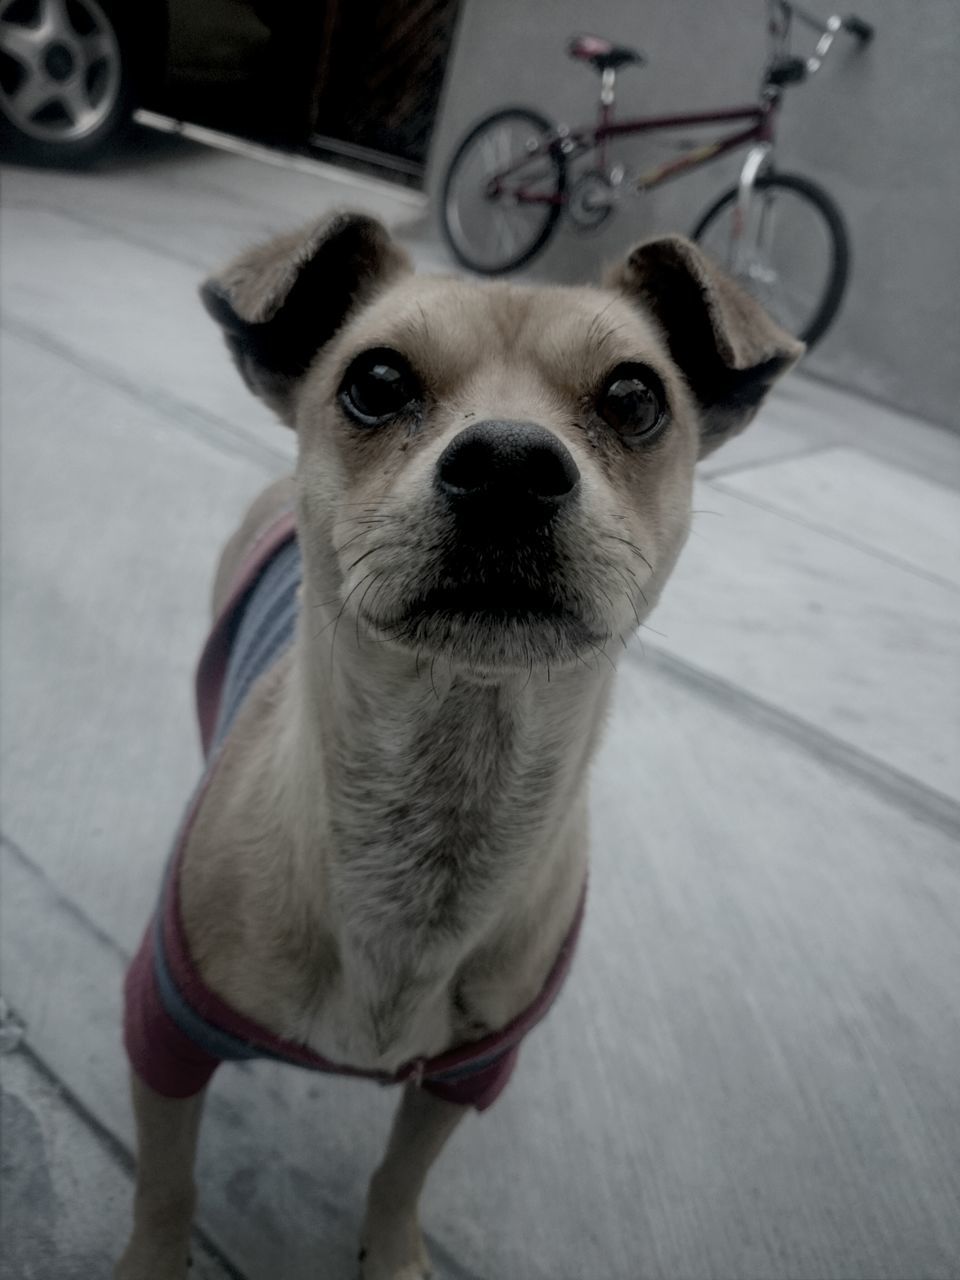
point(503, 192)
point(792, 253)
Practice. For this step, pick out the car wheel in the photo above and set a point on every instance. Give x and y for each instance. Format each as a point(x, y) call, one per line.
point(66, 79)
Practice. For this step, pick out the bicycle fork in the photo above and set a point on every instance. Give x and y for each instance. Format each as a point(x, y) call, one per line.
point(758, 159)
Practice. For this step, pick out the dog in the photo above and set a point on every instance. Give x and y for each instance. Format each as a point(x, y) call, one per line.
point(383, 872)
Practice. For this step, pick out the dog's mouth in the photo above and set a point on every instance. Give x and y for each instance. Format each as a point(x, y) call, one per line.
point(491, 625)
point(494, 600)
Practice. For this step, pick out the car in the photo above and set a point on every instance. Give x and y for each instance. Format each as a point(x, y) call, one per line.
point(360, 80)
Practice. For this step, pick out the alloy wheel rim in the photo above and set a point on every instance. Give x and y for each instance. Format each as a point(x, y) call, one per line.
point(61, 67)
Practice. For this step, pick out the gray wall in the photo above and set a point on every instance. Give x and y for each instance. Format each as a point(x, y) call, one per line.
point(878, 128)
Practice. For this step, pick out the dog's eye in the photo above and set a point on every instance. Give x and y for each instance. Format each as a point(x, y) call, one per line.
point(378, 385)
point(633, 402)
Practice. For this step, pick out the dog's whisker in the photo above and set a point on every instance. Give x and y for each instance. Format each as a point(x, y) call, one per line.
point(632, 578)
point(370, 504)
point(580, 658)
point(376, 597)
point(370, 586)
point(630, 585)
point(600, 589)
point(593, 329)
point(359, 528)
point(372, 551)
point(609, 660)
point(373, 524)
point(529, 677)
point(334, 622)
point(608, 336)
point(363, 522)
point(330, 621)
point(391, 547)
point(372, 512)
point(615, 537)
point(364, 511)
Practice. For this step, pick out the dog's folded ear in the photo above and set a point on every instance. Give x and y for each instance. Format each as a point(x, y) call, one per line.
point(280, 302)
point(729, 350)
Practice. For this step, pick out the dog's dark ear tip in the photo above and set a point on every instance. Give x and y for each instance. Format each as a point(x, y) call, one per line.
point(217, 304)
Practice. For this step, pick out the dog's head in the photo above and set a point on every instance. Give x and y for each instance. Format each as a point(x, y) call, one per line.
point(496, 473)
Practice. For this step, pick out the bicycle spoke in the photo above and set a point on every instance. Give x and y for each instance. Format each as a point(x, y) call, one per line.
point(490, 152)
point(790, 305)
point(766, 223)
point(733, 244)
point(506, 241)
point(782, 254)
point(491, 212)
point(502, 147)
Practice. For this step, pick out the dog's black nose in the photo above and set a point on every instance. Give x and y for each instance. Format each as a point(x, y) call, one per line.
point(519, 466)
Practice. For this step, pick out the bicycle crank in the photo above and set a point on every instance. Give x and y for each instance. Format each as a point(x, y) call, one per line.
point(591, 200)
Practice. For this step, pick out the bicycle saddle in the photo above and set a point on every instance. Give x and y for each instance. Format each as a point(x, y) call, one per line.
point(602, 54)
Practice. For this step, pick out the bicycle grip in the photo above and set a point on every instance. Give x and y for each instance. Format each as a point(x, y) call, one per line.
point(857, 27)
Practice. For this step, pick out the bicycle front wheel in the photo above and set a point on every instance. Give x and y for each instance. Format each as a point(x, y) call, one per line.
point(503, 192)
point(790, 250)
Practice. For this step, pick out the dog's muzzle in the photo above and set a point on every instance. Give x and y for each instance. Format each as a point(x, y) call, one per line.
point(500, 589)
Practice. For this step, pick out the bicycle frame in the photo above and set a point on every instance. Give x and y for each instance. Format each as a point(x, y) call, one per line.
point(760, 115)
point(578, 142)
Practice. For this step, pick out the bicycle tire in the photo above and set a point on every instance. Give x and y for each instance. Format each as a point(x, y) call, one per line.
point(541, 234)
point(835, 285)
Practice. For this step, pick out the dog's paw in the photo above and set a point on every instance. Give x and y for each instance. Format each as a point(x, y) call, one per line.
point(393, 1249)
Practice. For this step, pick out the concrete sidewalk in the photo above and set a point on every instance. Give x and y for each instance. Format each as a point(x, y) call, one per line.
point(755, 1070)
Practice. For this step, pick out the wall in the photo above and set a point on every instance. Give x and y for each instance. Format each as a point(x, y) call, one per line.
point(879, 128)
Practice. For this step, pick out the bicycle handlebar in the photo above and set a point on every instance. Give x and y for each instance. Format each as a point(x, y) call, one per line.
point(857, 27)
point(788, 70)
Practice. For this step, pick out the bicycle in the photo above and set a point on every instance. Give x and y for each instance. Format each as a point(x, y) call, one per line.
point(780, 234)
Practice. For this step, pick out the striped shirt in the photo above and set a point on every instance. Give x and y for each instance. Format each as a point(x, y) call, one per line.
point(176, 1029)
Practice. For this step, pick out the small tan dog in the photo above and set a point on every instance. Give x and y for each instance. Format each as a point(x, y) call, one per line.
point(383, 871)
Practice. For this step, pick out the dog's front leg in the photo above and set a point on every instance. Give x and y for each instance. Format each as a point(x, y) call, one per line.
point(391, 1244)
point(167, 1128)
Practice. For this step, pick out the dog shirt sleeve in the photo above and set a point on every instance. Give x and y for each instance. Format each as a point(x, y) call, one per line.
point(162, 1055)
point(478, 1088)
point(478, 1078)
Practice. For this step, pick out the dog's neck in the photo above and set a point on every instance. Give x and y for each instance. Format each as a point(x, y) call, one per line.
point(439, 792)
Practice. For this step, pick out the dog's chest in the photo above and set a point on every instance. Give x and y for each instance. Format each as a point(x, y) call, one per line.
point(432, 830)
point(432, 816)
